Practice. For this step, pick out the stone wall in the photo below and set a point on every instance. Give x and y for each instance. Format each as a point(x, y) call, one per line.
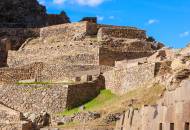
point(72, 31)
point(107, 32)
point(13, 75)
point(171, 111)
point(82, 93)
point(5, 45)
point(60, 73)
point(13, 38)
point(56, 53)
point(144, 73)
point(114, 80)
point(51, 98)
point(114, 26)
point(35, 98)
point(109, 57)
point(122, 80)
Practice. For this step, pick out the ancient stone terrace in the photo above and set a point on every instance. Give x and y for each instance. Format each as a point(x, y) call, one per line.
point(82, 44)
point(50, 97)
point(73, 62)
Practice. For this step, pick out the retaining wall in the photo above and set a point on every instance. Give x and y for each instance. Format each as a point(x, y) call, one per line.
point(13, 75)
point(70, 55)
point(122, 80)
point(107, 32)
point(71, 31)
point(109, 57)
point(172, 111)
point(51, 98)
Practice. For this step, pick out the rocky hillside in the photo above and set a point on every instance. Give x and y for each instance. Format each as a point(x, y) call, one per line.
point(25, 13)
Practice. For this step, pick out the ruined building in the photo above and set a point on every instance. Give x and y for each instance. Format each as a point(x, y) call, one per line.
point(48, 69)
point(20, 20)
point(79, 53)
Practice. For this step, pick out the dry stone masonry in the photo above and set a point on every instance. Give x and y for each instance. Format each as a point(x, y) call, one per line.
point(74, 54)
point(51, 98)
point(48, 69)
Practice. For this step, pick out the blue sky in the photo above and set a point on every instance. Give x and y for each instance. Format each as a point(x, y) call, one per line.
point(166, 20)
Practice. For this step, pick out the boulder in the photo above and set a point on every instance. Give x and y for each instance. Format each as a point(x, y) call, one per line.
point(39, 120)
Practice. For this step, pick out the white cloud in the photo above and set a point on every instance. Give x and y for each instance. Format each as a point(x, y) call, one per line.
point(185, 34)
point(90, 2)
point(111, 17)
point(59, 1)
point(42, 2)
point(152, 21)
point(100, 18)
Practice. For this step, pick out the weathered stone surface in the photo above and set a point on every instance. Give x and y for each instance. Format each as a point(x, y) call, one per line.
point(77, 117)
point(40, 120)
point(120, 80)
point(51, 98)
point(21, 13)
point(24, 13)
point(175, 80)
point(172, 108)
point(20, 20)
point(107, 32)
point(11, 120)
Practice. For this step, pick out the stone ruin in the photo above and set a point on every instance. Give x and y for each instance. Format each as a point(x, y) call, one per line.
point(83, 54)
point(72, 62)
point(77, 54)
point(20, 20)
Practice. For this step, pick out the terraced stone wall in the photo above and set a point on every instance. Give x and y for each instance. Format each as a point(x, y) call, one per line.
point(61, 73)
point(34, 98)
point(13, 75)
point(122, 80)
point(69, 54)
point(107, 32)
point(71, 31)
point(51, 98)
point(15, 37)
point(109, 57)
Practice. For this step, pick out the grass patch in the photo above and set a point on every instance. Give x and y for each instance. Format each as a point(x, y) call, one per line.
point(105, 97)
point(44, 83)
point(107, 102)
point(31, 83)
point(144, 95)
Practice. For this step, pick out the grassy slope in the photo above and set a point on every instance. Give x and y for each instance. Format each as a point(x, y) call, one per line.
point(107, 102)
point(105, 97)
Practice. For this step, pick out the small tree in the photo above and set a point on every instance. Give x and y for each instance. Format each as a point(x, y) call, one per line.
point(65, 15)
point(151, 39)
